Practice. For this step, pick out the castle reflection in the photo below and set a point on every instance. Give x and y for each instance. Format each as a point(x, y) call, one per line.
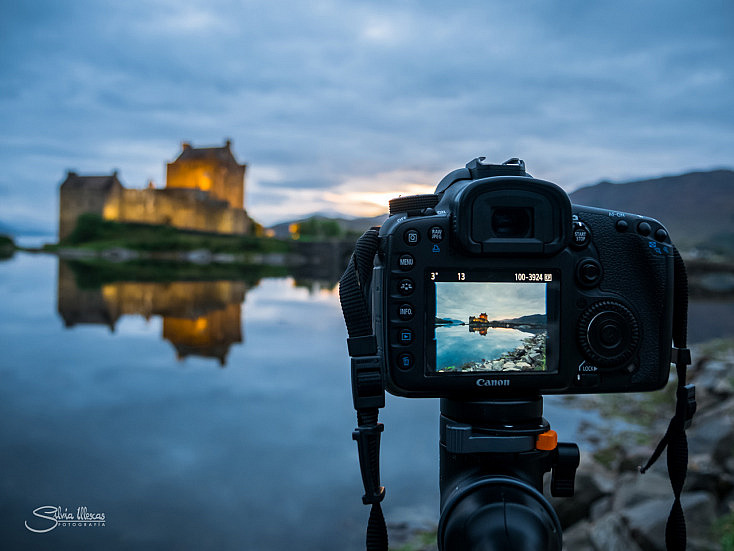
point(200, 318)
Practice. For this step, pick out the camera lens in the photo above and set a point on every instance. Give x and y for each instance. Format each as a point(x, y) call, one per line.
point(511, 222)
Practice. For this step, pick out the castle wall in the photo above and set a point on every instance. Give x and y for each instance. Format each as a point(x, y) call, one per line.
point(191, 209)
point(221, 181)
point(74, 201)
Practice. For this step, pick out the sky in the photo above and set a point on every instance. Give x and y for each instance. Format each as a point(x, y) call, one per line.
point(337, 106)
point(499, 300)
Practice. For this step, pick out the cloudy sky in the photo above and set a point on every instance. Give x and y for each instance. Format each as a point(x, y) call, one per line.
point(339, 105)
point(498, 300)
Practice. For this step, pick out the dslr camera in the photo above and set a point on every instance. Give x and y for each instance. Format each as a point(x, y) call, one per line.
point(496, 286)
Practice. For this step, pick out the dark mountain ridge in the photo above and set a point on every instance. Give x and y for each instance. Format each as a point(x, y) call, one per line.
point(697, 208)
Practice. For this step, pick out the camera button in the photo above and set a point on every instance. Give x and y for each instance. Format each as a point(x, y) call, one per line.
point(405, 336)
point(644, 228)
point(406, 286)
point(412, 237)
point(589, 272)
point(435, 234)
point(406, 262)
point(405, 312)
point(405, 360)
point(661, 235)
point(581, 235)
point(622, 225)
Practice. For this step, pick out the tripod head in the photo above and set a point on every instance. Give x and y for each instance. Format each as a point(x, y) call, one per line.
point(493, 458)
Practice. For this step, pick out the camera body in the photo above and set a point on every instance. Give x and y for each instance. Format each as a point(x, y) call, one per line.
point(496, 285)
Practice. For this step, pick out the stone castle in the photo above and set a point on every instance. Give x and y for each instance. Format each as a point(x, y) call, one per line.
point(205, 191)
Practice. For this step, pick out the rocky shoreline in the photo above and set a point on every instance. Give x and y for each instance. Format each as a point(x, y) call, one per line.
point(528, 356)
point(615, 508)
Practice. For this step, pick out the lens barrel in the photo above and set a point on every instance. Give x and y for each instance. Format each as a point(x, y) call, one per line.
point(500, 514)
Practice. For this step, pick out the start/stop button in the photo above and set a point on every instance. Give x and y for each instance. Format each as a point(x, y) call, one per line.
point(581, 235)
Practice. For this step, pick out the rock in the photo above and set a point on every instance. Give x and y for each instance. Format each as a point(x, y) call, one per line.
point(705, 474)
point(593, 482)
point(610, 533)
point(647, 520)
point(713, 432)
point(523, 366)
point(508, 365)
point(635, 488)
point(577, 538)
point(634, 457)
point(600, 508)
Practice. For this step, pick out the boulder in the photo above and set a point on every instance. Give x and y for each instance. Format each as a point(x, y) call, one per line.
point(593, 482)
point(610, 533)
point(646, 521)
point(634, 488)
point(578, 537)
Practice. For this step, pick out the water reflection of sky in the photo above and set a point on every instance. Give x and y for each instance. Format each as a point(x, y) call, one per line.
point(456, 345)
point(186, 454)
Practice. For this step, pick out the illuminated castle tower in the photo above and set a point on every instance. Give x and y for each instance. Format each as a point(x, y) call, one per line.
point(212, 169)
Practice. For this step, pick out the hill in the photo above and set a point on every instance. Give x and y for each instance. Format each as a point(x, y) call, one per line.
point(355, 226)
point(697, 208)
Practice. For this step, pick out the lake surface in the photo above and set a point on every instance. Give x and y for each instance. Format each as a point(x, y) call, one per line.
point(458, 345)
point(195, 414)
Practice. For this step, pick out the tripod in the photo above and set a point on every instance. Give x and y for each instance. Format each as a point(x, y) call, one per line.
point(493, 457)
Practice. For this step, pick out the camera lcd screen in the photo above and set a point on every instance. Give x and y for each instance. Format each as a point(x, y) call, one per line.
point(494, 322)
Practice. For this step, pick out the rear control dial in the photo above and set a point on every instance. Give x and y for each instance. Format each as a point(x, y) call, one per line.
point(608, 333)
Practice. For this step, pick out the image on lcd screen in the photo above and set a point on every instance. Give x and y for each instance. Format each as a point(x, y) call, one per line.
point(490, 326)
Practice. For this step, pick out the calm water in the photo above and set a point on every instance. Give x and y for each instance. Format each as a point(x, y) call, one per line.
point(456, 345)
point(194, 415)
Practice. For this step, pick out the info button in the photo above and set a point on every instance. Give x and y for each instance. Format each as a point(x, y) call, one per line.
point(405, 312)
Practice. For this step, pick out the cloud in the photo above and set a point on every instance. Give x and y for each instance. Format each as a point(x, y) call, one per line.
point(335, 97)
point(499, 300)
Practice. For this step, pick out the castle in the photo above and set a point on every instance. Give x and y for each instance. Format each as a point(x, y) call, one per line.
point(205, 191)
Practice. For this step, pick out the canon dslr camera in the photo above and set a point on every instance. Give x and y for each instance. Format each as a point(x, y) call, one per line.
point(496, 285)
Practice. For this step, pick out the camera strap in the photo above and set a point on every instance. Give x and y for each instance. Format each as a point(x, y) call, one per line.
point(675, 437)
point(368, 387)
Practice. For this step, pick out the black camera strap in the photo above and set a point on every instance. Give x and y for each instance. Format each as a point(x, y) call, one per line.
point(675, 437)
point(368, 387)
